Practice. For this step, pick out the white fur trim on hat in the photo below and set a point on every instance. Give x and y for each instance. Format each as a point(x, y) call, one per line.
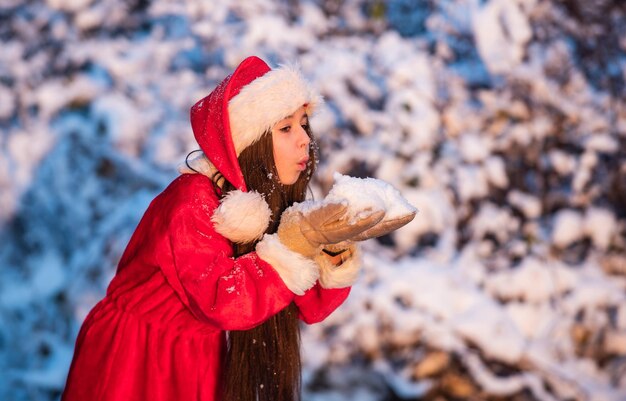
point(242, 216)
point(267, 100)
point(297, 272)
point(341, 276)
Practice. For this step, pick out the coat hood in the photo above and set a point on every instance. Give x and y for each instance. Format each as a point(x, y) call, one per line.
point(243, 107)
point(237, 113)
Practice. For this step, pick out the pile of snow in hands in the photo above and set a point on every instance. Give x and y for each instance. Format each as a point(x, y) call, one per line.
point(362, 196)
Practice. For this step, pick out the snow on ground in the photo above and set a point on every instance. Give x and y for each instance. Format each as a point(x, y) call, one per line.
point(503, 122)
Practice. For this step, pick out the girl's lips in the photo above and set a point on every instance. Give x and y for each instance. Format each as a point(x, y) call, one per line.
point(302, 164)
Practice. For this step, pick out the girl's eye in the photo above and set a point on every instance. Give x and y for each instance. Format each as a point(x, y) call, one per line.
point(305, 126)
point(286, 129)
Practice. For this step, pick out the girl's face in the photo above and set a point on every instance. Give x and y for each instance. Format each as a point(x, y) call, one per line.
point(291, 146)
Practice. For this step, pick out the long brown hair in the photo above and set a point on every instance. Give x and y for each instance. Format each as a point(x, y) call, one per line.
point(263, 363)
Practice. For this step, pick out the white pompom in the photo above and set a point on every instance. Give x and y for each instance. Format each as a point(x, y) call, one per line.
point(242, 216)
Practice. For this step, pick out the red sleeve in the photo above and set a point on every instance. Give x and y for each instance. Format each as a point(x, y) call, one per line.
point(318, 303)
point(230, 293)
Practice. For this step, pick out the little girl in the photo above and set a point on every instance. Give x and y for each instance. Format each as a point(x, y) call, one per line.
point(207, 296)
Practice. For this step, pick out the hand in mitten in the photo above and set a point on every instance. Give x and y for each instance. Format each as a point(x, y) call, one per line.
point(341, 270)
point(376, 194)
point(385, 226)
point(304, 227)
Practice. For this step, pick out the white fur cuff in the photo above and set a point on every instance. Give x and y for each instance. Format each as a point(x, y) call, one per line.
point(242, 216)
point(298, 273)
point(341, 276)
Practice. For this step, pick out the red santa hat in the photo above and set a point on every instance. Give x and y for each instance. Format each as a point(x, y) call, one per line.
point(243, 107)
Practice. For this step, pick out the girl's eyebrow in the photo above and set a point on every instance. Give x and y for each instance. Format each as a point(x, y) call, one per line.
point(291, 116)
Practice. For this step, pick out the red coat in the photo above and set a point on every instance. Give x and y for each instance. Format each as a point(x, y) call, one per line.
point(159, 332)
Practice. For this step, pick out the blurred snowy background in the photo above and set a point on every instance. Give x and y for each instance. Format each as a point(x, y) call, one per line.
point(503, 121)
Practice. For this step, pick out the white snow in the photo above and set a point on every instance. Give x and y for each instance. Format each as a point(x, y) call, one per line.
point(533, 281)
point(369, 193)
point(69, 5)
point(119, 115)
point(471, 182)
point(563, 163)
point(532, 320)
point(600, 225)
point(568, 228)
point(602, 143)
point(501, 31)
point(528, 204)
point(496, 172)
point(493, 220)
point(474, 147)
point(7, 102)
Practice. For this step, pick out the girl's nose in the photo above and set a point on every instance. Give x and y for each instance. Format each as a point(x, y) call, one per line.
point(304, 139)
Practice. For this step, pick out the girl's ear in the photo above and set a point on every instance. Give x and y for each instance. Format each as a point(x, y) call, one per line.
point(242, 217)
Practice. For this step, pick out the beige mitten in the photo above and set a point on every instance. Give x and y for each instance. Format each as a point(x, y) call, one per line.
point(304, 229)
point(361, 193)
point(385, 227)
point(344, 274)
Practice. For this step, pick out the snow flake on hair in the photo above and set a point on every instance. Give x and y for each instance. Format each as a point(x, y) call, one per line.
point(242, 216)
